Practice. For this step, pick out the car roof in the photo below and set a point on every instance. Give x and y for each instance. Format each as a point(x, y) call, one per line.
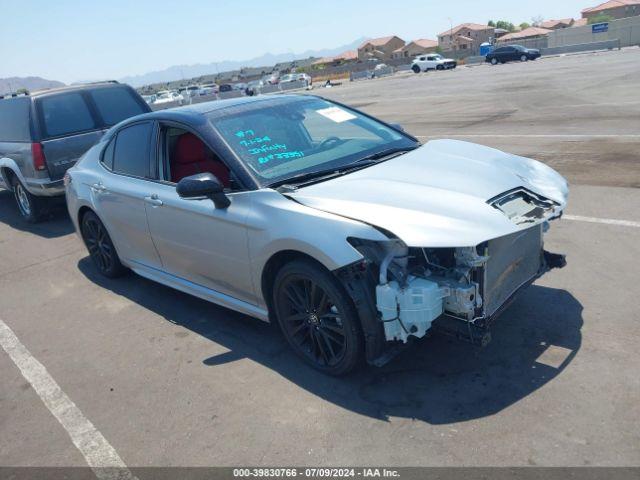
point(195, 112)
point(80, 86)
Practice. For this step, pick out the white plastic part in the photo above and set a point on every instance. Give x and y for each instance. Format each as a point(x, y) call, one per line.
point(410, 310)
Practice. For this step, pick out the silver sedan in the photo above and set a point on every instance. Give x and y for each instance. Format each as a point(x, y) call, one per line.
point(344, 230)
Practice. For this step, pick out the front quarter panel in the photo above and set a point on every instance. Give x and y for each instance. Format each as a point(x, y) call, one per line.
point(277, 224)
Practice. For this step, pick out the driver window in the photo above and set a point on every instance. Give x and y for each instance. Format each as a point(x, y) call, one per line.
point(185, 154)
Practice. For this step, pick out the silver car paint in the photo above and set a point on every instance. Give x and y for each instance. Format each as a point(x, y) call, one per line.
point(218, 255)
point(436, 195)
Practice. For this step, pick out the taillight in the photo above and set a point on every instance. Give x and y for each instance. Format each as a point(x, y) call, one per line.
point(39, 162)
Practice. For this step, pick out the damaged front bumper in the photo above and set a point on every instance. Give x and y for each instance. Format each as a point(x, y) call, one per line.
point(408, 293)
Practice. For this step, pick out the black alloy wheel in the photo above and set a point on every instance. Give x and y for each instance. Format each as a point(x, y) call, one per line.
point(101, 249)
point(317, 317)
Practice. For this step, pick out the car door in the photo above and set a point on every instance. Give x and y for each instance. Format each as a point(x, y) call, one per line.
point(119, 195)
point(202, 244)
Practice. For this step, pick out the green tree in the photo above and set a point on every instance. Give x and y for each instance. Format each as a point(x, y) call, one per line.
point(491, 23)
point(505, 25)
point(524, 25)
point(601, 18)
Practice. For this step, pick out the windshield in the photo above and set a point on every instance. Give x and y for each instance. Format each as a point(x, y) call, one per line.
point(284, 138)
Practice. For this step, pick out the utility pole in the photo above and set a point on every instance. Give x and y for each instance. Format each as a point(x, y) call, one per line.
point(451, 32)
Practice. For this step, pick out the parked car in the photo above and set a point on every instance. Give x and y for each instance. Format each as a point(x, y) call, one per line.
point(272, 79)
point(510, 53)
point(44, 133)
point(168, 96)
point(289, 77)
point(208, 89)
point(434, 61)
point(225, 87)
point(342, 229)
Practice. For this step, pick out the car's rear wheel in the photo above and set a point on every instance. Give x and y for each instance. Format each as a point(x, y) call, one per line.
point(416, 69)
point(494, 61)
point(524, 58)
point(439, 67)
point(317, 317)
point(29, 206)
point(101, 249)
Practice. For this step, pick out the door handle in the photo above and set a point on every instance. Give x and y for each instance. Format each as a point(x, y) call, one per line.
point(153, 200)
point(99, 187)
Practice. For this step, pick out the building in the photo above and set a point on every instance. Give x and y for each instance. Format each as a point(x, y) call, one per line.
point(614, 8)
point(557, 24)
point(580, 22)
point(526, 34)
point(344, 57)
point(379, 48)
point(466, 37)
point(415, 48)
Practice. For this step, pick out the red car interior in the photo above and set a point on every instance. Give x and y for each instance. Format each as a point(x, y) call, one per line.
point(191, 156)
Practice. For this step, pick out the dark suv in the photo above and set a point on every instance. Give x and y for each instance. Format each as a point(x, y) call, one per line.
point(510, 53)
point(44, 133)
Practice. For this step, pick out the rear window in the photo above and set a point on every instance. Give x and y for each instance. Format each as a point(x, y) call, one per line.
point(132, 150)
point(115, 104)
point(65, 114)
point(14, 120)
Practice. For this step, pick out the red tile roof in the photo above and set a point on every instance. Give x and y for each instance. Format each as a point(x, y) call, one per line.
point(378, 42)
point(555, 23)
point(425, 43)
point(470, 26)
point(580, 22)
point(610, 4)
point(526, 33)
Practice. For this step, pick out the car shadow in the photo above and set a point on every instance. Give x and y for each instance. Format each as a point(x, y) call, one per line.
point(56, 224)
point(438, 380)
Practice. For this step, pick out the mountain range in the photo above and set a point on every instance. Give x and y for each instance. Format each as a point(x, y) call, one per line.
point(177, 72)
point(13, 84)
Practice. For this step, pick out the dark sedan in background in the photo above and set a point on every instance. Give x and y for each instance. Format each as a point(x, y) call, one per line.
point(509, 53)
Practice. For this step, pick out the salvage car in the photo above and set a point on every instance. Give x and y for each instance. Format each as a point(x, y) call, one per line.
point(341, 229)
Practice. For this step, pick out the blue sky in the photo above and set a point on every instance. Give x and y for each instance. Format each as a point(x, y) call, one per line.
point(72, 40)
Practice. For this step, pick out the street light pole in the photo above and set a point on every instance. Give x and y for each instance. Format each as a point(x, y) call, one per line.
point(451, 32)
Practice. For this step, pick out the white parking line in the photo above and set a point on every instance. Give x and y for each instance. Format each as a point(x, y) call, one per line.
point(608, 221)
point(531, 135)
point(99, 454)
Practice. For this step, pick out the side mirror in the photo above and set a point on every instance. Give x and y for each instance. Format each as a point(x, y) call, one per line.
point(203, 185)
point(397, 126)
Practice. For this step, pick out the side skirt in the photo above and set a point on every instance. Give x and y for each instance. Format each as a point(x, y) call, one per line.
point(199, 291)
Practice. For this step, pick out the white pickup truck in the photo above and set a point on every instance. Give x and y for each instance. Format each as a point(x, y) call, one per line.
point(433, 61)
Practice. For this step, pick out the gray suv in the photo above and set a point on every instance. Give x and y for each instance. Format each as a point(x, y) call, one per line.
point(44, 133)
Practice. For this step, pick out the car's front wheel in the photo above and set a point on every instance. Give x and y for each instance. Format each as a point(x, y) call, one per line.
point(317, 317)
point(494, 61)
point(524, 58)
point(439, 67)
point(416, 69)
point(101, 249)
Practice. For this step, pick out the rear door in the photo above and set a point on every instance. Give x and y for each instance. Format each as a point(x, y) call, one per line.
point(119, 195)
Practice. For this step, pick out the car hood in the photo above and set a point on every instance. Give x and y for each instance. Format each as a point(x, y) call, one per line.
point(437, 195)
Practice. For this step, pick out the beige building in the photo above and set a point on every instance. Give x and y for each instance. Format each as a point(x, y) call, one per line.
point(526, 34)
point(415, 48)
point(465, 37)
point(557, 24)
point(380, 48)
point(614, 8)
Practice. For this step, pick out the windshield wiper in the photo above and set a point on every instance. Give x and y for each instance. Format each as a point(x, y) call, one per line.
point(384, 154)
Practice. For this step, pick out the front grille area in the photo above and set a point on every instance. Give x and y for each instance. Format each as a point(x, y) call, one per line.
point(513, 260)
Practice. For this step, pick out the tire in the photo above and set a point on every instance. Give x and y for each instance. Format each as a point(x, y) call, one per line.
point(100, 247)
point(439, 67)
point(494, 61)
point(524, 58)
point(317, 317)
point(416, 69)
point(30, 207)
